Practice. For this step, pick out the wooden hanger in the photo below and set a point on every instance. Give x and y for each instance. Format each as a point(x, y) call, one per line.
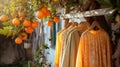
point(81, 23)
point(84, 24)
point(74, 24)
point(68, 25)
point(66, 21)
point(87, 24)
point(95, 26)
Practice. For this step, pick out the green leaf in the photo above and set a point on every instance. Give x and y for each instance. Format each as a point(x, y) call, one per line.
point(7, 23)
point(6, 31)
point(37, 53)
point(45, 46)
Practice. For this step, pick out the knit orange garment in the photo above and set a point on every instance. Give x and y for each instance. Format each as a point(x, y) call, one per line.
point(94, 50)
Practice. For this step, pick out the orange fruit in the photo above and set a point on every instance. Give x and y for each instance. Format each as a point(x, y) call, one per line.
point(3, 18)
point(44, 10)
point(22, 15)
point(47, 13)
point(56, 19)
point(18, 40)
point(40, 14)
point(29, 30)
point(24, 36)
point(16, 22)
point(34, 24)
point(26, 23)
point(49, 23)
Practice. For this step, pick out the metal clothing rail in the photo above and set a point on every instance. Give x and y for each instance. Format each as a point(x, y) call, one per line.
point(90, 13)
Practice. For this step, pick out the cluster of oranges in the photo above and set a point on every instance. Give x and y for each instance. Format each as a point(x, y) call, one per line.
point(19, 20)
point(44, 12)
point(55, 19)
point(27, 25)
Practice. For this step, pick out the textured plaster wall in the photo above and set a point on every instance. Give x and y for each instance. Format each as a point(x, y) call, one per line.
point(50, 53)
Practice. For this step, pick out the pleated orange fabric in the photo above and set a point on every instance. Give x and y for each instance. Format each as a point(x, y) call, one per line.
point(59, 44)
point(58, 48)
point(64, 36)
point(94, 49)
point(70, 47)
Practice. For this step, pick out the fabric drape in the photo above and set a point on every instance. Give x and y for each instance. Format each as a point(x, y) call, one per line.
point(58, 48)
point(71, 45)
point(94, 49)
point(59, 45)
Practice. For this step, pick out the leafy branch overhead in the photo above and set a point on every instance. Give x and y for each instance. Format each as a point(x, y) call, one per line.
point(18, 16)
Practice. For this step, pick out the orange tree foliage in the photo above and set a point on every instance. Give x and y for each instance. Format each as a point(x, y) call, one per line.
point(18, 16)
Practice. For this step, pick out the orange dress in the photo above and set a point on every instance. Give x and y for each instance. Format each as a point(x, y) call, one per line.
point(70, 48)
point(59, 45)
point(58, 48)
point(94, 50)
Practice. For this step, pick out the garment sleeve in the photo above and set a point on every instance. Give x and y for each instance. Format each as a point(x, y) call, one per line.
point(56, 59)
point(66, 53)
point(79, 61)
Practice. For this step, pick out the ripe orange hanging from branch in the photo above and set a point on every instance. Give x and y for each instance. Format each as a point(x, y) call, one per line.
point(47, 13)
point(24, 36)
point(18, 40)
point(3, 18)
point(16, 22)
point(34, 24)
point(40, 14)
point(44, 10)
point(49, 23)
point(26, 23)
point(56, 19)
point(28, 30)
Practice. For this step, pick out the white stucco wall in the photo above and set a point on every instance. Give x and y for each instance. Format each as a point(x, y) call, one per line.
point(50, 53)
